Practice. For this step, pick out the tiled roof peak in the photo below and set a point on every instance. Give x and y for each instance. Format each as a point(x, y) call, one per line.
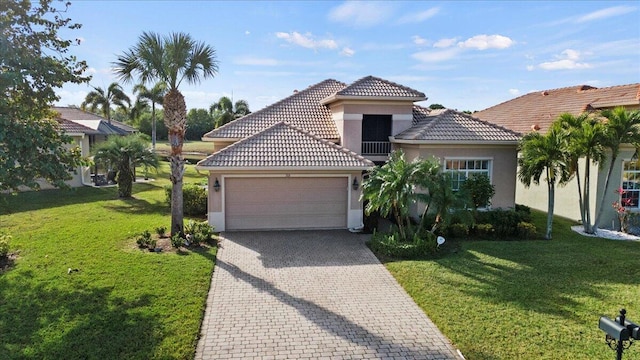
point(371, 86)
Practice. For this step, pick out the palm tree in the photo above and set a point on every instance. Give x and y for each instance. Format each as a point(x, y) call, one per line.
point(621, 127)
point(155, 95)
point(124, 153)
point(544, 154)
point(99, 98)
point(171, 60)
point(225, 111)
point(586, 136)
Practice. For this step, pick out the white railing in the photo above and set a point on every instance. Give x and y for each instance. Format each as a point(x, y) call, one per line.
point(376, 147)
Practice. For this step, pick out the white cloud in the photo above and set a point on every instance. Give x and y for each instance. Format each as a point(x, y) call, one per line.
point(514, 92)
point(445, 43)
point(247, 32)
point(530, 67)
point(360, 13)
point(483, 42)
point(419, 40)
point(307, 40)
point(436, 56)
point(348, 52)
point(419, 16)
point(256, 61)
point(567, 60)
point(605, 13)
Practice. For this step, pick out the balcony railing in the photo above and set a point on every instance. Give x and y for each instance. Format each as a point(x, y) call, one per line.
point(376, 147)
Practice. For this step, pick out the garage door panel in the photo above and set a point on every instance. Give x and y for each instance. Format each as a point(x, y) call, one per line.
point(285, 203)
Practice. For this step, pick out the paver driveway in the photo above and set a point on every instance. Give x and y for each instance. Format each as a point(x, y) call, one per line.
point(311, 294)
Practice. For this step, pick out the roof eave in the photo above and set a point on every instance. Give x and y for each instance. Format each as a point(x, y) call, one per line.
point(453, 142)
point(282, 168)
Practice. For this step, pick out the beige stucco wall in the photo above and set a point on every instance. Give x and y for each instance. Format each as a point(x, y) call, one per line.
point(216, 202)
point(77, 175)
point(503, 164)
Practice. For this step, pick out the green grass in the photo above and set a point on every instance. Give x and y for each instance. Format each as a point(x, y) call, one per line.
point(528, 299)
point(123, 302)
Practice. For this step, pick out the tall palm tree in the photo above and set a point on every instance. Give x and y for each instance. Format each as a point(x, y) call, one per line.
point(225, 111)
point(622, 127)
point(103, 99)
point(544, 154)
point(155, 95)
point(124, 153)
point(170, 59)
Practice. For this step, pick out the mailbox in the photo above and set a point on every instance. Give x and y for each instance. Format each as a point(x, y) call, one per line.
point(634, 329)
point(613, 329)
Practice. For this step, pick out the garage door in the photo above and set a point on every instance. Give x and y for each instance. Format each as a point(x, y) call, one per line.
point(286, 203)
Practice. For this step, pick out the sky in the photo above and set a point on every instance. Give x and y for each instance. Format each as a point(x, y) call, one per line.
point(465, 55)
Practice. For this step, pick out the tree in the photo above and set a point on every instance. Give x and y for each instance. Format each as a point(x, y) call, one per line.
point(479, 189)
point(170, 59)
point(102, 99)
point(622, 127)
point(155, 95)
point(225, 111)
point(199, 122)
point(544, 154)
point(124, 153)
point(436, 106)
point(34, 62)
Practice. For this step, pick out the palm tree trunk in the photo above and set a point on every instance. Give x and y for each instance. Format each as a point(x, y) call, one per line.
point(552, 195)
point(175, 117)
point(153, 126)
point(596, 223)
point(586, 221)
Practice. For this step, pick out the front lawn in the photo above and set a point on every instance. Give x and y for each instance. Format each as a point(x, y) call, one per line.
point(121, 302)
point(528, 299)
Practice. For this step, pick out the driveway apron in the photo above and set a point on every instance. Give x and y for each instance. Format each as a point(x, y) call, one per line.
point(314, 295)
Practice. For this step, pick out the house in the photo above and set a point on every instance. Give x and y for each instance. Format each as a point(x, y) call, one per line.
point(536, 111)
point(298, 163)
point(86, 129)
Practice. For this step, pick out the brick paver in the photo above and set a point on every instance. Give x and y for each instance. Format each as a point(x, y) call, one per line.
point(311, 295)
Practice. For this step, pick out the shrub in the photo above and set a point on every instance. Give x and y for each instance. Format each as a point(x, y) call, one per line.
point(4, 245)
point(485, 231)
point(145, 241)
point(479, 189)
point(161, 231)
point(198, 232)
point(458, 230)
point(526, 230)
point(177, 240)
point(505, 222)
point(194, 198)
point(389, 245)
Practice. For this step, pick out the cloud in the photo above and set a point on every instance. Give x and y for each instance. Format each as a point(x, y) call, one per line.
point(247, 32)
point(348, 52)
point(419, 41)
point(605, 13)
point(360, 13)
point(567, 60)
point(436, 56)
point(483, 42)
point(419, 16)
point(514, 92)
point(445, 43)
point(307, 40)
point(256, 61)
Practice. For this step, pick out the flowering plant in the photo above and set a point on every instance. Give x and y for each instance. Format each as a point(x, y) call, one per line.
point(621, 209)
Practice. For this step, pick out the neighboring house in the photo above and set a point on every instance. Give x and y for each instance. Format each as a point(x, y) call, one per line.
point(536, 111)
point(86, 129)
point(298, 163)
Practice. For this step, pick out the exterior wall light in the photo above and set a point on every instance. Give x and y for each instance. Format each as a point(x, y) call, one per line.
point(216, 185)
point(355, 184)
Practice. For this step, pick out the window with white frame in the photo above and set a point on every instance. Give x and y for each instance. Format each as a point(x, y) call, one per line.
point(461, 169)
point(631, 183)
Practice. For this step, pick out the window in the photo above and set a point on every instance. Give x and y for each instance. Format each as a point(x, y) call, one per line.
point(631, 183)
point(461, 169)
point(376, 130)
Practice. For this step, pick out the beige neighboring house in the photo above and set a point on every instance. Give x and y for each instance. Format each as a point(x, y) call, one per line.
point(298, 163)
point(86, 130)
point(536, 111)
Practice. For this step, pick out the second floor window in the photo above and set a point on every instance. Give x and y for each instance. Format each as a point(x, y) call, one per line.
point(376, 130)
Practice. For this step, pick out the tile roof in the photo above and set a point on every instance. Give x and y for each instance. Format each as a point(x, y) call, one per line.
point(302, 109)
point(93, 121)
point(75, 128)
point(285, 146)
point(371, 86)
point(540, 109)
point(447, 125)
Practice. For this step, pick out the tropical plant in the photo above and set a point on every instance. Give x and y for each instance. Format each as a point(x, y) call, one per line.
point(171, 60)
point(545, 154)
point(124, 153)
point(155, 95)
point(34, 62)
point(479, 189)
point(225, 111)
point(102, 99)
point(621, 127)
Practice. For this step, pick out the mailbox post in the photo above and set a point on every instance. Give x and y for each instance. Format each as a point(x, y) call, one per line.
point(620, 333)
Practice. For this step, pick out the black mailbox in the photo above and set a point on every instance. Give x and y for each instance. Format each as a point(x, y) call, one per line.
point(613, 329)
point(634, 329)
